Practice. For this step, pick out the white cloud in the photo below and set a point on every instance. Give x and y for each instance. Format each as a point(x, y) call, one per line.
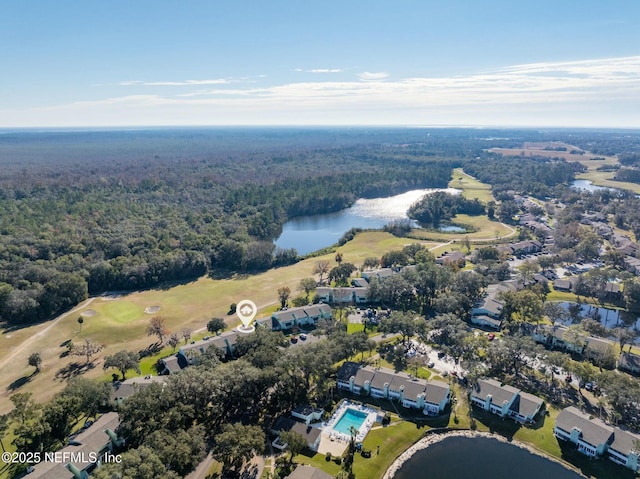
point(320, 70)
point(217, 81)
point(598, 92)
point(373, 75)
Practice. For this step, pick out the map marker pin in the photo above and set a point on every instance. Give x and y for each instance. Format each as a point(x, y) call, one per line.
point(246, 311)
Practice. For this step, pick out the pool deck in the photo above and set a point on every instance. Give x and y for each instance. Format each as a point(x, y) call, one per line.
point(335, 442)
point(330, 444)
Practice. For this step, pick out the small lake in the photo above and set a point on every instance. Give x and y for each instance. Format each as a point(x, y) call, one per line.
point(479, 458)
point(311, 233)
point(609, 318)
point(587, 185)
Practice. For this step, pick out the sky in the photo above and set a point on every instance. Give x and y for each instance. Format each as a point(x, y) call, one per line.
point(560, 63)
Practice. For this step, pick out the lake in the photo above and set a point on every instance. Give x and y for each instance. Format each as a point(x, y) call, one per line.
point(479, 458)
point(311, 233)
point(609, 318)
point(587, 185)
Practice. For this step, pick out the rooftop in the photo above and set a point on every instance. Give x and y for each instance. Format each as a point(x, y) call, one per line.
point(594, 431)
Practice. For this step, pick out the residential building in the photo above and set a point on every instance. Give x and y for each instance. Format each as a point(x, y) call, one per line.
point(525, 247)
point(381, 273)
point(556, 337)
point(452, 258)
point(563, 284)
point(429, 396)
point(189, 354)
point(591, 435)
point(343, 295)
point(121, 390)
point(307, 413)
point(308, 472)
point(505, 401)
point(487, 312)
point(629, 362)
point(302, 316)
point(310, 433)
point(594, 437)
point(85, 452)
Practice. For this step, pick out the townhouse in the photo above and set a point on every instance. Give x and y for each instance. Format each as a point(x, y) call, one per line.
point(593, 437)
point(431, 397)
point(505, 401)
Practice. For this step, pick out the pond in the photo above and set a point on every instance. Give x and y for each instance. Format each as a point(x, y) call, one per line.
point(311, 233)
point(587, 185)
point(479, 458)
point(609, 318)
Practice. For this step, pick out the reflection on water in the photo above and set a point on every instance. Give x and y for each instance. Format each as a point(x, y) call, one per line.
point(311, 233)
point(586, 185)
point(479, 458)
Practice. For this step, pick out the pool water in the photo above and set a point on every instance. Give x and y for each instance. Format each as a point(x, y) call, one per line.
point(350, 418)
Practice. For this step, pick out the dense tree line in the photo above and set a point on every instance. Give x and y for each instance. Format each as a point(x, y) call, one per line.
point(531, 176)
point(434, 208)
point(83, 213)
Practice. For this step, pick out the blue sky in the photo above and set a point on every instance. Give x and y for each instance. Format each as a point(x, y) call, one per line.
point(275, 62)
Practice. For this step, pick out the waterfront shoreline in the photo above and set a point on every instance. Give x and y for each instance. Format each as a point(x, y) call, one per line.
point(436, 437)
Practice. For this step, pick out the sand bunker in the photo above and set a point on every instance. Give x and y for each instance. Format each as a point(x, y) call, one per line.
point(89, 313)
point(152, 309)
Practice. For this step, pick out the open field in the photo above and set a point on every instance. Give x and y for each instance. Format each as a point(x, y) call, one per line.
point(485, 230)
point(471, 187)
point(120, 322)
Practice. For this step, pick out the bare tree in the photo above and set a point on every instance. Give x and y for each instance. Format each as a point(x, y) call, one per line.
point(321, 267)
point(157, 328)
point(186, 334)
point(173, 340)
point(88, 349)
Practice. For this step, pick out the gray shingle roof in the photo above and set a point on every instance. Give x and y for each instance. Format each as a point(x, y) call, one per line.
point(623, 441)
point(594, 431)
point(436, 392)
point(526, 404)
point(499, 393)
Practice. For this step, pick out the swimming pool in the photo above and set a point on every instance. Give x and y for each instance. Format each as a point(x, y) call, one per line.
point(350, 418)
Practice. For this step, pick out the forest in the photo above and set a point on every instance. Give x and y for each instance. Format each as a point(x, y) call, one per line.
point(84, 212)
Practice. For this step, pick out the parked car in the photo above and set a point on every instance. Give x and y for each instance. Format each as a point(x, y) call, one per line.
point(294, 340)
point(303, 337)
point(568, 378)
point(491, 336)
point(431, 364)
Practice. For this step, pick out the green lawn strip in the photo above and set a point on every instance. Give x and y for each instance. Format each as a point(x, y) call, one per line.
point(354, 328)
point(393, 441)
point(484, 230)
point(471, 187)
point(318, 460)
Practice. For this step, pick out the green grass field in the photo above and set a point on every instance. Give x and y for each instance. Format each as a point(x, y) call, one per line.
point(471, 187)
point(120, 322)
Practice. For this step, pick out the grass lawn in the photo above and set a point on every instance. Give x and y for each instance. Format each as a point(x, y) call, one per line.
point(484, 230)
point(354, 328)
point(471, 187)
point(120, 322)
point(393, 440)
point(318, 460)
